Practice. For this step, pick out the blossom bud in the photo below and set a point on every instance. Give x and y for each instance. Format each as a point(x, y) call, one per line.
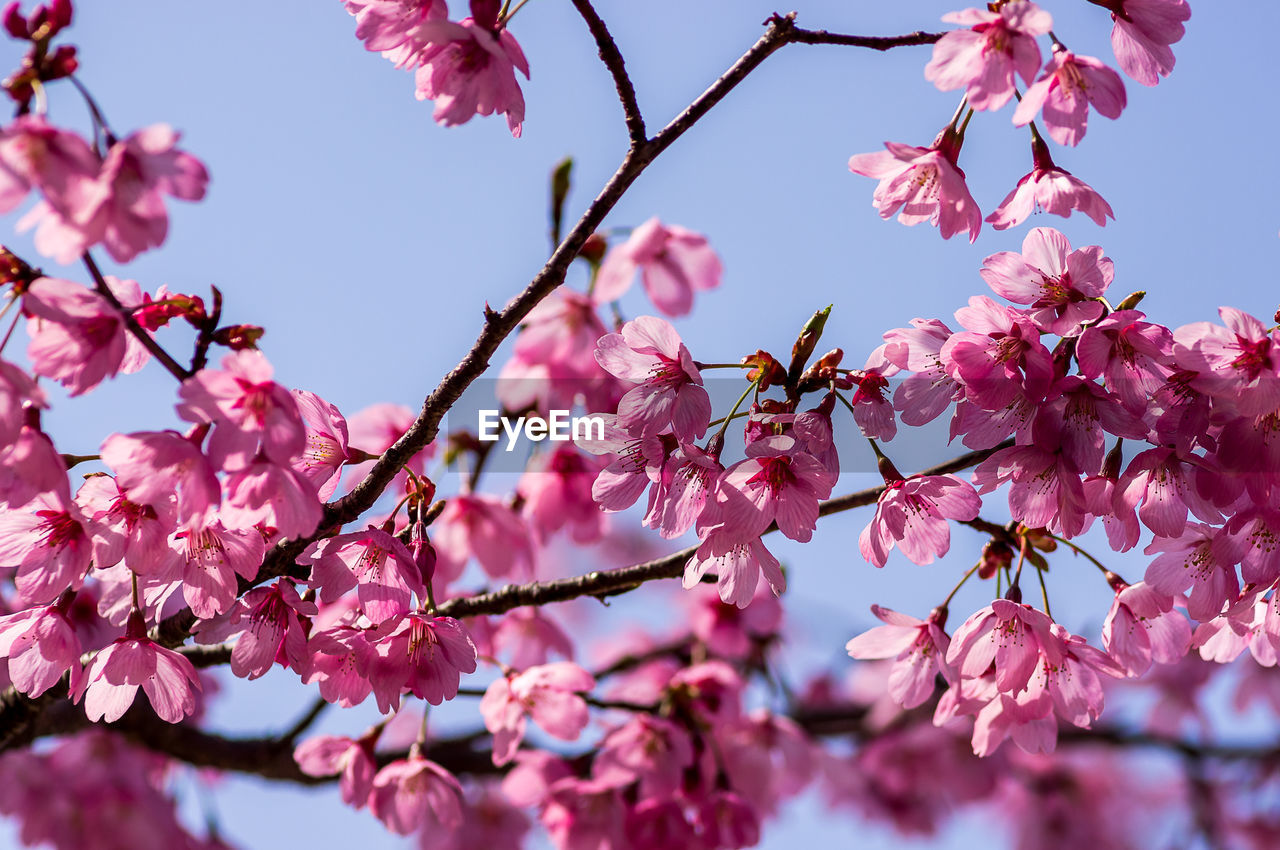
point(767, 371)
point(805, 343)
point(996, 555)
point(593, 250)
point(1131, 301)
point(238, 337)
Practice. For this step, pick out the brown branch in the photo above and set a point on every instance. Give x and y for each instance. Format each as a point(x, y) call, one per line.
point(148, 342)
point(612, 59)
point(875, 42)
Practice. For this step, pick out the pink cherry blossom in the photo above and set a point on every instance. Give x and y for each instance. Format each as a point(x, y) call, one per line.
point(50, 543)
point(638, 462)
point(913, 514)
point(469, 68)
point(734, 632)
point(1052, 189)
point(1142, 626)
point(648, 749)
point(327, 447)
point(727, 821)
point(918, 647)
point(77, 337)
point(670, 395)
point(35, 154)
point(352, 760)
point(925, 183)
point(375, 429)
point(1010, 635)
point(1061, 286)
point(922, 397)
point(18, 391)
point(549, 694)
point(154, 467)
point(673, 263)
point(584, 814)
point(419, 653)
point(1129, 353)
point(776, 483)
point(737, 563)
point(1069, 86)
point(871, 410)
point(276, 629)
point(1240, 362)
point(208, 557)
point(40, 645)
point(983, 60)
point(247, 408)
point(1045, 489)
point(30, 466)
point(1143, 31)
point(111, 681)
point(375, 562)
point(687, 482)
point(483, 527)
point(1163, 482)
point(999, 357)
point(126, 530)
point(136, 173)
point(384, 25)
point(1202, 558)
point(556, 488)
point(416, 793)
point(277, 496)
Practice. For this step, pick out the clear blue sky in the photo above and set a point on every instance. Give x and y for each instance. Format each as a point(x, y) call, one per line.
point(366, 239)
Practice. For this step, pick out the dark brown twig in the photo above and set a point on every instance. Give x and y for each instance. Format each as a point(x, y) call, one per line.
point(612, 59)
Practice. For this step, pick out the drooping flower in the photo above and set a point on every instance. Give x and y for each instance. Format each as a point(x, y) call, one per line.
point(983, 60)
point(1051, 189)
point(1202, 558)
point(673, 264)
point(111, 681)
point(419, 653)
point(208, 557)
point(1012, 636)
point(39, 645)
point(548, 693)
point(375, 562)
point(77, 337)
point(913, 513)
point(50, 543)
point(1142, 626)
point(1143, 31)
point(416, 793)
point(777, 482)
point(469, 68)
point(926, 184)
point(481, 526)
point(669, 395)
point(1069, 86)
point(918, 647)
point(738, 563)
point(352, 760)
point(327, 446)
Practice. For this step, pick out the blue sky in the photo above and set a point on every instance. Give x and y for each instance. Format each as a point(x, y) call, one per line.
point(366, 239)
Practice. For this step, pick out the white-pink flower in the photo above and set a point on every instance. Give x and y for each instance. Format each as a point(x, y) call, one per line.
point(918, 647)
point(924, 183)
point(669, 396)
point(114, 675)
point(673, 262)
point(913, 515)
point(1069, 86)
point(983, 60)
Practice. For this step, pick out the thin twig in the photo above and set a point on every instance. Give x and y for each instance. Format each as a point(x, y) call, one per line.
point(148, 342)
point(612, 59)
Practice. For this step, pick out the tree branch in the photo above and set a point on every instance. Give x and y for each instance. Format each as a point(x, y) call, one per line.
point(148, 342)
point(612, 59)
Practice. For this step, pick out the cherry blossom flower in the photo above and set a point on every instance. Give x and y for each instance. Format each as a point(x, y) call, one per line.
point(648, 749)
point(154, 467)
point(40, 645)
point(922, 397)
point(327, 445)
point(277, 625)
point(352, 760)
point(481, 526)
point(1129, 353)
point(638, 462)
point(384, 25)
point(727, 821)
point(127, 530)
point(688, 480)
point(670, 395)
point(35, 154)
point(1061, 286)
point(1008, 634)
point(998, 357)
point(77, 337)
point(547, 693)
point(375, 562)
point(1051, 189)
point(414, 793)
point(208, 557)
point(925, 183)
point(737, 563)
point(673, 264)
point(274, 495)
point(1240, 362)
point(584, 813)
point(918, 647)
point(50, 542)
point(912, 514)
point(111, 681)
point(1143, 31)
point(776, 483)
point(1142, 626)
point(1069, 85)
point(1202, 558)
point(469, 68)
point(983, 60)
point(247, 409)
point(423, 654)
point(871, 410)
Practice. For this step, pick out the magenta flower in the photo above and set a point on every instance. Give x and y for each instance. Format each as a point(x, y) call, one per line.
point(1010, 635)
point(1202, 558)
point(923, 396)
point(410, 794)
point(155, 466)
point(34, 154)
point(913, 514)
point(39, 645)
point(688, 480)
point(673, 264)
point(50, 542)
point(982, 60)
point(1051, 189)
point(483, 527)
point(776, 483)
point(738, 563)
point(469, 68)
point(1046, 490)
point(352, 761)
point(1072, 682)
point(375, 562)
point(384, 25)
point(1239, 362)
point(1082, 413)
point(247, 408)
point(1129, 353)
point(1060, 285)
point(1069, 86)
point(423, 654)
point(556, 488)
point(336, 654)
point(327, 446)
point(208, 558)
point(278, 621)
point(670, 396)
point(1142, 626)
point(925, 183)
point(637, 463)
point(871, 410)
point(648, 749)
point(999, 357)
point(1163, 483)
point(918, 647)
point(126, 530)
point(135, 175)
point(374, 430)
point(548, 693)
point(112, 679)
point(272, 495)
point(1143, 31)
point(77, 337)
